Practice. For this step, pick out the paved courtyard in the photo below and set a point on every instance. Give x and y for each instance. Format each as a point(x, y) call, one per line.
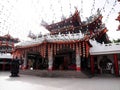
point(26, 82)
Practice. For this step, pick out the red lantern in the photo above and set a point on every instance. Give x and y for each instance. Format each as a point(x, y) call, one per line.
point(77, 48)
point(83, 45)
point(73, 46)
point(80, 50)
point(54, 49)
point(87, 49)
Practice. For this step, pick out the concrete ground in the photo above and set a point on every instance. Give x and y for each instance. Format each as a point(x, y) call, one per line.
point(26, 82)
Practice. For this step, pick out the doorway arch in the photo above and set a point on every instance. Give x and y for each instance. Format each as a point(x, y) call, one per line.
point(64, 59)
point(36, 61)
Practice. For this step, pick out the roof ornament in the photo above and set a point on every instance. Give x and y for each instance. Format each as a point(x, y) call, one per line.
point(93, 7)
point(39, 35)
point(63, 17)
point(88, 20)
point(98, 12)
point(43, 23)
point(31, 35)
point(118, 19)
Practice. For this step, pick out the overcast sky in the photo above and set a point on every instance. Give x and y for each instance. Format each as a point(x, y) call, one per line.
point(18, 17)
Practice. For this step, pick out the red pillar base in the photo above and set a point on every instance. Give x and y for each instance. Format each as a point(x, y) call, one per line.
point(78, 69)
point(24, 67)
point(50, 69)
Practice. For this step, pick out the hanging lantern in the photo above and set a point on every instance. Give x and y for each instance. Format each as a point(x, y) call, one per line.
point(54, 49)
point(60, 47)
point(70, 46)
point(52, 45)
point(80, 50)
point(40, 50)
point(57, 47)
point(77, 51)
point(87, 49)
point(67, 45)
point(43, 50)
point(83, 45)
point(48, 50)
point(73, 46)
point(37, 48)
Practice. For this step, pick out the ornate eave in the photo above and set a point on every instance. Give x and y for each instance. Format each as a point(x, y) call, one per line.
point(64, 24)
point(89, 26)
point(60, 39)
point(9, 37)
point(118, 18)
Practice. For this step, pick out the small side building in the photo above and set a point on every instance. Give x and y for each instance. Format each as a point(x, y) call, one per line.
point(6, 47)
point(5, 60)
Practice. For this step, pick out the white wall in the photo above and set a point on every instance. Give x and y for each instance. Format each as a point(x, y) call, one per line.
point(98, 48)
point(6, 55)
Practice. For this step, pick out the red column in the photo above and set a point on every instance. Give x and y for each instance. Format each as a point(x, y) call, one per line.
point(116, 65)
point(92, 64)
point(3, 67)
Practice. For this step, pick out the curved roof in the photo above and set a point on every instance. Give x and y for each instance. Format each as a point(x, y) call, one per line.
point(60, 38)
point(71, 21)
point(92, 28)
point(9, 37)
point(118, 18)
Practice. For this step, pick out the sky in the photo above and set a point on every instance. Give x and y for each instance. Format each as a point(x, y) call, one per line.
point(19, 17)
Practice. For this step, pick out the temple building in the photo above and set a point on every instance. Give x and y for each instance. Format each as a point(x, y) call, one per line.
point(6, 47)
point(71, 45)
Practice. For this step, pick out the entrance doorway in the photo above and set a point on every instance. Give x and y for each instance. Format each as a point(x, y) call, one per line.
point(106, 65)
point(85, 63)
point(65, 60)
point(35, 61)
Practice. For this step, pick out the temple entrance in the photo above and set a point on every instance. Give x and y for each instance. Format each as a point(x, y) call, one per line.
point(85, 64)
point(106, 65)
point(35, 61)
point(64, 60)
point(103, 64)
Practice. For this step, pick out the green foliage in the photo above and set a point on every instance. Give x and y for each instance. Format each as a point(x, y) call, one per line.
point(116, 41)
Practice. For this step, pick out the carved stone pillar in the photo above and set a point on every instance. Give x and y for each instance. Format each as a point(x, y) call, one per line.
point(50, 58)
point(78, 59)
point(25, 61)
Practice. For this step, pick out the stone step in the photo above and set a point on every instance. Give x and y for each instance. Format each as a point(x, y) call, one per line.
point(46, 73)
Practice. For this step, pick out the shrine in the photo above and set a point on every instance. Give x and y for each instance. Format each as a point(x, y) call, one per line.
point(66, 47)
point(71, 45)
